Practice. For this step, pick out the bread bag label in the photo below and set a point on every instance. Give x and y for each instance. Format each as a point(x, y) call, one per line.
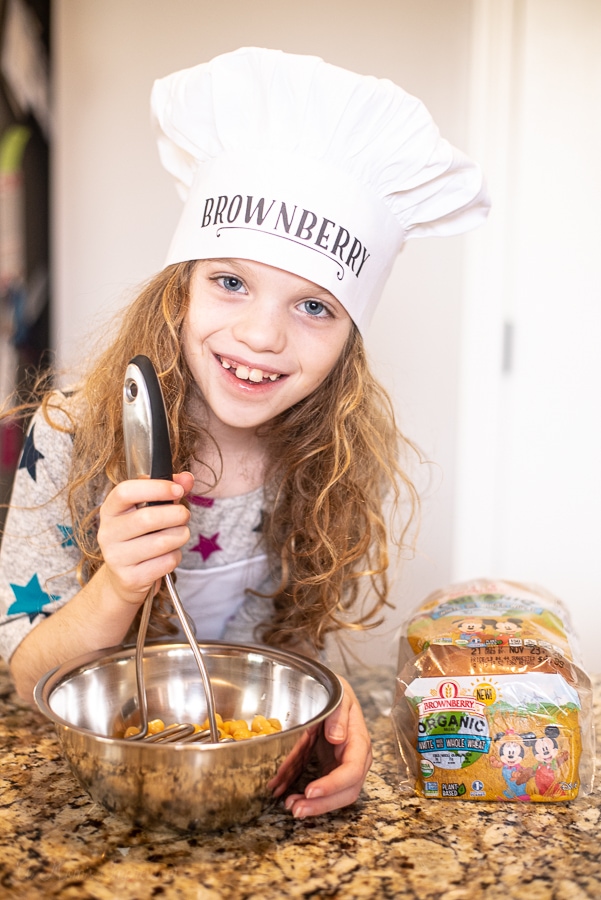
point(490, 703)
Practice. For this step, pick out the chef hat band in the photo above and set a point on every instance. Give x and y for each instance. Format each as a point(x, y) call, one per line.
point(292, 162)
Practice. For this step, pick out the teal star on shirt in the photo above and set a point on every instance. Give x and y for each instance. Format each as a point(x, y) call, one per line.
point(67, 535)
point(30, 598)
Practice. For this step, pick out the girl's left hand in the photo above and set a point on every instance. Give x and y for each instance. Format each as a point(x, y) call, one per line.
point(345, 754)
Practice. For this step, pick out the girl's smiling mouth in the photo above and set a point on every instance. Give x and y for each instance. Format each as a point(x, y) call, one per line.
point(246, 373)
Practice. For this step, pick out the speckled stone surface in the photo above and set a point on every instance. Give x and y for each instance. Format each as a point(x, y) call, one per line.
point(56, 843)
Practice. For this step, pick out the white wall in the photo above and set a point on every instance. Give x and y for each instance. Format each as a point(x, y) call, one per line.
point(114, 207)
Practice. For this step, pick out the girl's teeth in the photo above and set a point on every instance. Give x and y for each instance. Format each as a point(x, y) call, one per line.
point(246, 374)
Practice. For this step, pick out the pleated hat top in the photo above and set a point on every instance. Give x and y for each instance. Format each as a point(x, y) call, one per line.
point(290, 161)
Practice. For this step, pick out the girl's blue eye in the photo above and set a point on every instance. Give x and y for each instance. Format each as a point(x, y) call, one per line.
point(231, 283)
point(315, 308)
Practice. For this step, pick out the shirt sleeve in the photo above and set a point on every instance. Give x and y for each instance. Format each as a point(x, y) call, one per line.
point(38, 557)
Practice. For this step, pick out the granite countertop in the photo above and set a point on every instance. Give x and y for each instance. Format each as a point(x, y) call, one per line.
point(57, 843)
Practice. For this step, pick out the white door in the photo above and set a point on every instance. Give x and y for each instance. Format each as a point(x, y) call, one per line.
point(531, 434)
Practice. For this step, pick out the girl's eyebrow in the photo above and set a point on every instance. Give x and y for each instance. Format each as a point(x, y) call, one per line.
point(224, 262)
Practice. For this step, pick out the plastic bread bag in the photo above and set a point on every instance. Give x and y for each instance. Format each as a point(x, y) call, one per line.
point(491, 701)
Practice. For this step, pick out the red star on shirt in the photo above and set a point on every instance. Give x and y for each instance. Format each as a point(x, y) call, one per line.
point(206, 545)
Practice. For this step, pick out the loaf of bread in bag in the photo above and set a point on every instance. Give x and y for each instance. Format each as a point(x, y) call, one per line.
point(491, 700)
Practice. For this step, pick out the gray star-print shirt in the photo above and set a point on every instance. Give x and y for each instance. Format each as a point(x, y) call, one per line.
point(38, 557)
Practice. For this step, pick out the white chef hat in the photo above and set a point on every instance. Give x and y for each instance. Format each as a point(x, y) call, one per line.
point(287, 160)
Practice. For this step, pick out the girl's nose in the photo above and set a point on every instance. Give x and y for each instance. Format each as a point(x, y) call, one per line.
point(262, 327)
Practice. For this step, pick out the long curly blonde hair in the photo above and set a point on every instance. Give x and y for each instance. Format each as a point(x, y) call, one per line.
point(334, 459)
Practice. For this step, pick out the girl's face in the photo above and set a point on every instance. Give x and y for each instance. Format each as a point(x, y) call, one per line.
point(258, 339)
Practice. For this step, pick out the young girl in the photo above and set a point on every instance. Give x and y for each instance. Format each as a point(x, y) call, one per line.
point(301, 183)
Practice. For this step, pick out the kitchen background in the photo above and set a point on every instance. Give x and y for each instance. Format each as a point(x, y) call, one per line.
point(489, 342)
point(24, 195)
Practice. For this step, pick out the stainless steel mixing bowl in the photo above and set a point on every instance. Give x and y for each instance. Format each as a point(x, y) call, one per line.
point(186, 787)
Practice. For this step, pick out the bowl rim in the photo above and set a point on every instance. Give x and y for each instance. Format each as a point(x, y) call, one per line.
point(55, 677)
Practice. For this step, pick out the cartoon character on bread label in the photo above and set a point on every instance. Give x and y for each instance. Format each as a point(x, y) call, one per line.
point(511, 750)
point(548, 761)
point(506, 628)
point(471, 630)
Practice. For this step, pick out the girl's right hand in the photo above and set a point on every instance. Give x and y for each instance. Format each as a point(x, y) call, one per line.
point(141, 544)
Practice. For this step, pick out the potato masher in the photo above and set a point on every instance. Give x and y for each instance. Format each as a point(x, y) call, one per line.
point(148, 455)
